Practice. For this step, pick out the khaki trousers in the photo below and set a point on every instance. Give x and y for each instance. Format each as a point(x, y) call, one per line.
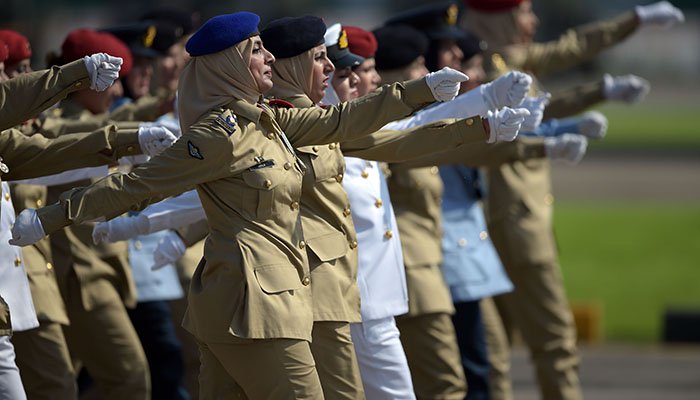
point(431, 348)
point(498, 346)
point(105, 342)
point(44, 363)
point(269, 369)
point(336, 362)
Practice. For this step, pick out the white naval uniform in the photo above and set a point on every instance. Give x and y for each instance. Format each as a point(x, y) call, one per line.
point(382, 281)
point(14, 288)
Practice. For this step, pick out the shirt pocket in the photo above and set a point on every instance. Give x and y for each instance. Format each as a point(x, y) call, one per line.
point(276, 279)
point(327, 163)
point(260, 194)
point(328, 247)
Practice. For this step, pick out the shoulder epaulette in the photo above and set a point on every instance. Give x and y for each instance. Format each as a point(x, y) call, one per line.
point(280, 103)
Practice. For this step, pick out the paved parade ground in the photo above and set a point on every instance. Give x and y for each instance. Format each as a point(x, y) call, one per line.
point(625, 372)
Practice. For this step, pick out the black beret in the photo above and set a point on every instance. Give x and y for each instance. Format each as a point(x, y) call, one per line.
point(471, 45)
point(338, 48)
point(290, 36)
point(437, 21)
point(398, 46)
point(147, 38)
point(221, 32)
point(184, 20)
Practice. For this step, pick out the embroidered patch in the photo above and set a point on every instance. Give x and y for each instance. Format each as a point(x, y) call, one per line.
point(194, 151)
point(228, 121)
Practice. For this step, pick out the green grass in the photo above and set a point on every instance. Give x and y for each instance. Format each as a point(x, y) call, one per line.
point(634, 260)
point(658, 126)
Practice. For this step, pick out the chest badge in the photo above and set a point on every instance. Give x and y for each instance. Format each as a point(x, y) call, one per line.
point(194, 151)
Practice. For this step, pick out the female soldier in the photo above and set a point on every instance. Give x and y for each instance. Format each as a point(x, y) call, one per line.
point(249, 298)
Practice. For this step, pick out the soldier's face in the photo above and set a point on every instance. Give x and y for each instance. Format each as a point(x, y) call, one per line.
point(369, 77)
point(474, 69)
point(417, 69)
point(99, 102)
point(139, 79)
point(261, 65)
point(18, 68)
point(170, 66)
point(320, 73)
point(526, 21)
point(449, 55)
point(345, 84)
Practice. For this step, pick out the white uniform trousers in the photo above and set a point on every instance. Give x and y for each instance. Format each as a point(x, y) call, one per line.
point(10, 382)
point(383, 365)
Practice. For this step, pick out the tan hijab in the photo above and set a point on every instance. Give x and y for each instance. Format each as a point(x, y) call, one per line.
point(214, 80)
point(497, 29)
point(292, 77)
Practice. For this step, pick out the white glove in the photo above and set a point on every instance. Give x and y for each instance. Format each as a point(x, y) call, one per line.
point(627, 88)
point(536, 106)
point(593, 125)
point(507, 91)
point(169, 249)
point(568, 147)
point(155, 139)
point(121, 228)
point(505, 124)
point(444, 84)
point(27, 229)
point(103, 70)
point(661, 13)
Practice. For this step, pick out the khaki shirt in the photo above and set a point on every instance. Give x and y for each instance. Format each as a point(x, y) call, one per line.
point(519, 208)
point(26, 96)
point(254, 279)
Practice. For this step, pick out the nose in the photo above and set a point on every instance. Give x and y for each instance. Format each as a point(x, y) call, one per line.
point(269, 58)
point(330, 67)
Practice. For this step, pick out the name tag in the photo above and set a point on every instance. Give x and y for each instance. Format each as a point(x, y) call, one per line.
point(262, 164)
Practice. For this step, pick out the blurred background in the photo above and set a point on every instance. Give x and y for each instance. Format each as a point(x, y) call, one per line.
point(627, 218)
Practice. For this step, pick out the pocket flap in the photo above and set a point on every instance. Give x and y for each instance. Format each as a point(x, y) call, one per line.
point(328, 247)
point(277, 278)
point(264, 178)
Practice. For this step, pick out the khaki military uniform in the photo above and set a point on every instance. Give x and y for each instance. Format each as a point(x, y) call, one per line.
point(520, 213)
point(427, 333)
point(250, 296)
point(26, 96)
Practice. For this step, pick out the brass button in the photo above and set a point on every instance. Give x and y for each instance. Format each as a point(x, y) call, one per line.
point(378, 203)
point(434, 170)
point(331, 146)
point(49, 266)
point(302, 244)
point(7, 196)
point(389, 234)
point(306, 281)
point(470, 122)
point(39, 203)
point(483, 235)
point(346, 211)
point(462, 242)
point(268, 183)
point(353, 244)
point(339, 178)
point(138, 245)
point(18, 261)
point(294, 205)
point(315, 148)
point(270, 135)
point(287, 165)
point(548, 199)
point(365, 174)
point(130, 149)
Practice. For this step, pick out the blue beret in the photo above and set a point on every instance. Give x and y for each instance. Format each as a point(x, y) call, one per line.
point(221, 32)
point(290, 36)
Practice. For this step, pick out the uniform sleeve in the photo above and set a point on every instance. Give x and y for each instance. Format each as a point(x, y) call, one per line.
point(398, 146)
point(482, 154)
point(464, 105)
point(573, 47)
point(147, 108)
point(193, 233)
point(174, 212)
point(65, 177)
point(34, 156)
point(574, 100)
point(202, 155)
point(353, 119)
point(26, 96)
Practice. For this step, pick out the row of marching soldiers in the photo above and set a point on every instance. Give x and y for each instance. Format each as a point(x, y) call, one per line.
point(321, 191)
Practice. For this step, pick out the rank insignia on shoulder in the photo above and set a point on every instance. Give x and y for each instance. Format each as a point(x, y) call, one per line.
point(228, 121)
point(194, 151)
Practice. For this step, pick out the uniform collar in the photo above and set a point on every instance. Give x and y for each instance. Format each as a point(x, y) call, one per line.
point(246, 110)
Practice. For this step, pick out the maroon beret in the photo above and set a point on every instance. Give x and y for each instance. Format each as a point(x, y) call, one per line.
point(17, 46)
point(361, 42)
point(84, 42)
